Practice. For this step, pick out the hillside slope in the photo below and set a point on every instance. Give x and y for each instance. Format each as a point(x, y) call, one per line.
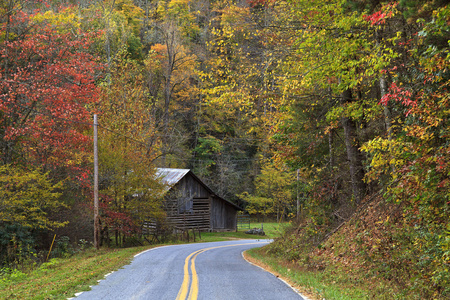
point(376, 250)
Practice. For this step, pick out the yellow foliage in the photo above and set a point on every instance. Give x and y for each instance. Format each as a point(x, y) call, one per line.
point(385, 154)
point(65, 21)
point(27, 196)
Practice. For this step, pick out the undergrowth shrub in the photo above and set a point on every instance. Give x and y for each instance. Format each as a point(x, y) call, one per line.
point(16, 245)
point(419, 260)
point(288, 247)
point(63, 248)
point(408, 248)
point(8, 276)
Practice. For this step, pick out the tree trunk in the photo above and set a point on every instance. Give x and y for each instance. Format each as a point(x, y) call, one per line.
point(171, 55)
point(278, 214)
point(383, 91)
point(353, 154)
point(331, 148)
point(387, 112)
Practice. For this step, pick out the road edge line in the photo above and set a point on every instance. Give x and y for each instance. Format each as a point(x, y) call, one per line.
point(106, 275)
point(277, 275)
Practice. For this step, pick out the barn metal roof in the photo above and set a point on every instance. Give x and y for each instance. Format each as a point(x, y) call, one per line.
point(171, 176)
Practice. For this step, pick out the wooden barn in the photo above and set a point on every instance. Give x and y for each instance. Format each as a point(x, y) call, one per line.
point(190, 204)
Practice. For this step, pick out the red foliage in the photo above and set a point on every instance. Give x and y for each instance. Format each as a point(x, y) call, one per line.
point(47, 85)
point(116, 220)
point(264, 3)
point(399, 94)
point(380, 17)
point(376, 18)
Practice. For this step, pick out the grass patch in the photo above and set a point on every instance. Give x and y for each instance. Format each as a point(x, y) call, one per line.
point(225, 236)
point(336, 269)
point(271, 229)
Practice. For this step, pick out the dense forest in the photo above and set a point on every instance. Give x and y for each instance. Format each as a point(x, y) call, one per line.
point(293, 109)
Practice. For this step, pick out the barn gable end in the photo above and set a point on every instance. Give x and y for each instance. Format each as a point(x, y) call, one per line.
point(190, 204)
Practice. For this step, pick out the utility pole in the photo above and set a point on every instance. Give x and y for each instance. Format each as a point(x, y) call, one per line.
point(96, 220)
point(298, 194)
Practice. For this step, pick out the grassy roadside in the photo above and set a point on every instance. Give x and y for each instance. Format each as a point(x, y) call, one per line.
point(333, 281)
point(345, 266)
point(62, 278)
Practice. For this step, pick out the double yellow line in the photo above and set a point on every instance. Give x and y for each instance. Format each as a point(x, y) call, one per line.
point(193, 290)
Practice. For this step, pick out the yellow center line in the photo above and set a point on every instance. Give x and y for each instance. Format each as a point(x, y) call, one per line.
point(182, 293)
point(193, 291)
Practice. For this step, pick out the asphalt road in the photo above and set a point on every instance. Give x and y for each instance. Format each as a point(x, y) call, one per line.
point(193, 271)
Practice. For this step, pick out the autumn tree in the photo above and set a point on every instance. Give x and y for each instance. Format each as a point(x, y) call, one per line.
point(129, 145)
point(273, 195)
point(28, 200)
point(240, 105)
point(414, 162)
point(48, 86)
point(171, 70)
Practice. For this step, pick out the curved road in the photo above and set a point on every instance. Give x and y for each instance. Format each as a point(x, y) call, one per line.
point(193, 271)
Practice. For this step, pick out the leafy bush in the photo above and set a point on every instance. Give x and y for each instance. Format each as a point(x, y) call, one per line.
point(16, 244)
point(63, 248)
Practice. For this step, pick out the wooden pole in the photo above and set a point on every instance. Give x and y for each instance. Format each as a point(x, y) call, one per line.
point(96, 220)
point(298, 194)
point(49, 251)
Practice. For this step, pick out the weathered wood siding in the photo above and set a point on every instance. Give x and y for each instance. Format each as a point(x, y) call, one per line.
point(188, 205)
point(223, 215)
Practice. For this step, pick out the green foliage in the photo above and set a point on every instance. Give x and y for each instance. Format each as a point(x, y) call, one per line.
point(273, 193)
point(131, 13)
point(412, 9)
point(257, 204)
point(62, 247)
point(17, 244)
point(118, 24)
point(179, 11)
point(10, 276)
point(206, 150)
point(28, 199)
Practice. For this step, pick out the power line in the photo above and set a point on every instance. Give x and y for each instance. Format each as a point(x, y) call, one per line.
point(209, 160)
point(124, 135)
